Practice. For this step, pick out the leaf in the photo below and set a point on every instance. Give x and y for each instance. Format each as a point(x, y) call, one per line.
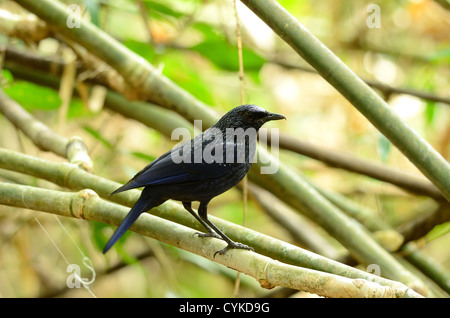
point(7, 78)
point(142, 49)
point(143, 156)
point(438, 231)
point(440, 56)
point(222, 54)
point(99, 239)
point(159, 10)
point(384, 147)
point(226, 56)
point(33, 97)
point(94, 133)
point(183, 70)
point(430, 111)
point(93, 7)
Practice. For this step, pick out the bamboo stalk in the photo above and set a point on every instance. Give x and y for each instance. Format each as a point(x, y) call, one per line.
point(427, 265)
point(270, 273)
point(384, 88)
point(351, 162)
point(370, 104)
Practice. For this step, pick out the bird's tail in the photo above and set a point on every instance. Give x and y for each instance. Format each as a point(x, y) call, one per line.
point(144, 203)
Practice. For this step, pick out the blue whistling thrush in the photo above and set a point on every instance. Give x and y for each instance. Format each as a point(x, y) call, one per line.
point(200, 169)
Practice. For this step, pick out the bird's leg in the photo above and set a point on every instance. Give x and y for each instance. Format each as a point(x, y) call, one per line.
point(211, 233)
point(202, 212)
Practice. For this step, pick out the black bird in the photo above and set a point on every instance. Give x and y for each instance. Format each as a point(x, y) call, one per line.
point(200, 169)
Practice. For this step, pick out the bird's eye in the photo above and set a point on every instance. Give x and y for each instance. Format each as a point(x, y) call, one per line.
point(249, 115)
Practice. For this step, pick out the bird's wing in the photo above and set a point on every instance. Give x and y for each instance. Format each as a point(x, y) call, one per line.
point(164, 170)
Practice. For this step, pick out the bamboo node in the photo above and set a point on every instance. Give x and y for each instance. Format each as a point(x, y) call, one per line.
point(79, 200)
point(263, 279)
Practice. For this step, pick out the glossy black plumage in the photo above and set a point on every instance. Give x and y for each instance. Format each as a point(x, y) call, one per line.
point(199, 170)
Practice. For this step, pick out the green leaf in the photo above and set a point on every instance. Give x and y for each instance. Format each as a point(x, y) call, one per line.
point(158, 9)
point(99, 239)
point(179, 67)
point(33, 97)
point(142, 156)
point(430, 111)
point(93, 7)
point(438, 231)
point(142, 49)
point(226, 56)
point(94, 133)
point(222, 54)
point(384, 147)
point(7, 78)
point(440, 56)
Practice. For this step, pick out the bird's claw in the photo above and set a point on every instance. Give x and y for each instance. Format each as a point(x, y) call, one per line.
point(232, 246)
point(208, 234)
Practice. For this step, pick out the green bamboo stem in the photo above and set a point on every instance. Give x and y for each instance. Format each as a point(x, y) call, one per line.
point(43, 137)
point(384, 88)
point(296, 225)
point(427, 265)
point(390, 239)
point(370, 104)
point(270, 273)
point(70, 176)
point(427, 216)
point(351, 162)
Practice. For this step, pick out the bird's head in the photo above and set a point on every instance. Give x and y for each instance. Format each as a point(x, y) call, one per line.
point(247, 116)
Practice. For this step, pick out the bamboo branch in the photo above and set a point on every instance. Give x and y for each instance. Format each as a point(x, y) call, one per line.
point(369, 103)
point(270, 273)
point(385, 88)
point(351, 162)
point(43, 137)
point(429, 267)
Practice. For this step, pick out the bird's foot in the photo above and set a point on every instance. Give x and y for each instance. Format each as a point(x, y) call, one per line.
point(208, 234)
point(233, 245)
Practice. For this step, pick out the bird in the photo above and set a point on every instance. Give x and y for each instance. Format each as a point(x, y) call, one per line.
point(199, 170)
